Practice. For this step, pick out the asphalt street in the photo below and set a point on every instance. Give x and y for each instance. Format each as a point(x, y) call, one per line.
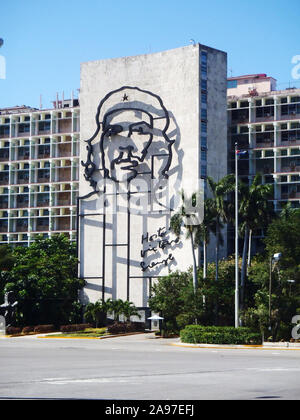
point(143, 368)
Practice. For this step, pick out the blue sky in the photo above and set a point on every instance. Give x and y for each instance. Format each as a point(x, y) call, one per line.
point(45, 41)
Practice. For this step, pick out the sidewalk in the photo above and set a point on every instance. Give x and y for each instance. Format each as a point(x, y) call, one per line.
point(265, 346)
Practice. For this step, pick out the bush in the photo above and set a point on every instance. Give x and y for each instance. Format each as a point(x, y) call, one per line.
point(198, 334)
point(74, 328)
point(125, 327)
point(44, 329)
point(13, 330)
point(27, 330)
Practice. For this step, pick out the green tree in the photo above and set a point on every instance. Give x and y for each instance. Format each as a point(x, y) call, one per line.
point(285, 302)
point(223, 208)
point(96, 313)
point(191, 225)
point(6, 258)
point(255, 211)
point(283, 235)
point(129, 310)
point(205, 229)
point(167, 298)
point(44, 281)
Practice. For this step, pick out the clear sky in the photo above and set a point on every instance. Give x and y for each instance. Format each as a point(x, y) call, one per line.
point(45, 41)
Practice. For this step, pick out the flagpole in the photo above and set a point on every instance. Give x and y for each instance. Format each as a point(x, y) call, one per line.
point(236, 241)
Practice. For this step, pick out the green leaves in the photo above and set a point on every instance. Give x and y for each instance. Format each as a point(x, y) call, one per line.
point(96, 312)
point(44, 281)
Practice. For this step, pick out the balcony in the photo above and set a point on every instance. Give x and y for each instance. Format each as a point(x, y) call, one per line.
point(65, 126)
point(4, 156)
point(4, 180)
point(42, 228)
point(64, 150)
point(42, 203)
point(21, 228)
point(291, 168)
point(64, 174)
point(3, 228)
point(63, 225)
point(22, 204)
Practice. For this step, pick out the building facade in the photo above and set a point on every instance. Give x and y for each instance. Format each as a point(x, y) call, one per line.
point(266, 122)
point(151, 126)
point(39, 172)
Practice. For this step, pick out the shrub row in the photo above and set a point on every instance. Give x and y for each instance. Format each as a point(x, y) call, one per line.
point(197, 334)
point(74, 327)
point(27, 330)
point(125, 327)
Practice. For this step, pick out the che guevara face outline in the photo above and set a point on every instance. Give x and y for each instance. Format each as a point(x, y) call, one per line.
point(154, 108)
point(124, 142)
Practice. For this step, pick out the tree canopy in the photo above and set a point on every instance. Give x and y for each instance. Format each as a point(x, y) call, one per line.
point(44, 281)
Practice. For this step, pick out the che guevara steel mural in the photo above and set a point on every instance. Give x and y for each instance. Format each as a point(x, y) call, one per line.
point(131, 145)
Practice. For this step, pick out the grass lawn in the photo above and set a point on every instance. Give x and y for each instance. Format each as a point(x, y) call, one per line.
point(88, 332)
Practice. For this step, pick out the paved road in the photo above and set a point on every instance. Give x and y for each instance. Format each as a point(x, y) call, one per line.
point(143, 368)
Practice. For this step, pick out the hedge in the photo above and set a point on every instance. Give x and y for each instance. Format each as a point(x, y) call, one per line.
point(74, 328)
point(126, 327)
point(197, 334)
point(44, 329)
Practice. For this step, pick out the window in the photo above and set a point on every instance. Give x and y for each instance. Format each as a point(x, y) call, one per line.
point(203, 171)
point(203, 114)
point(203, 57)
point(269, 101)
point(244, 104)
point(295, 99)
point(204, 84)
point(203, 141)
point(244, 130)
point(269, 153)
point(203, 127)
point(204, 98)
point(203, 155)
point(44, 126)
point(231, 84)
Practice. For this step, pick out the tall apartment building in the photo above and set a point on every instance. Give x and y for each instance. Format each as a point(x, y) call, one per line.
point(266, 122)
point(39, 165)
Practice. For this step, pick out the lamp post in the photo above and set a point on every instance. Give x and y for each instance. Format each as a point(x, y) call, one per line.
point(291, 282)
point(236, 241)
point(276, 258)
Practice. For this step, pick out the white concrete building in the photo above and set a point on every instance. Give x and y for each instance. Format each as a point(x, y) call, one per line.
point(151, 125)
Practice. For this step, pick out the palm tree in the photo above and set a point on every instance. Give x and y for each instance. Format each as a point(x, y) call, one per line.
point(223, 209)
point(96, 312)
point(207, 227)
point(256, 212)
point(191, 224)
point(115, 306)
point(129, 309)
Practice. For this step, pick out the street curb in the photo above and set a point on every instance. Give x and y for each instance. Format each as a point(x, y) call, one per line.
point(230, 347)
point(90, 338)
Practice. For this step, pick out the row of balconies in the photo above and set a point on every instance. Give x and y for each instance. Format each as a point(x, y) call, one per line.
point(40, 128)
point(40, 176)
point(42, 152)
point(38, 225)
